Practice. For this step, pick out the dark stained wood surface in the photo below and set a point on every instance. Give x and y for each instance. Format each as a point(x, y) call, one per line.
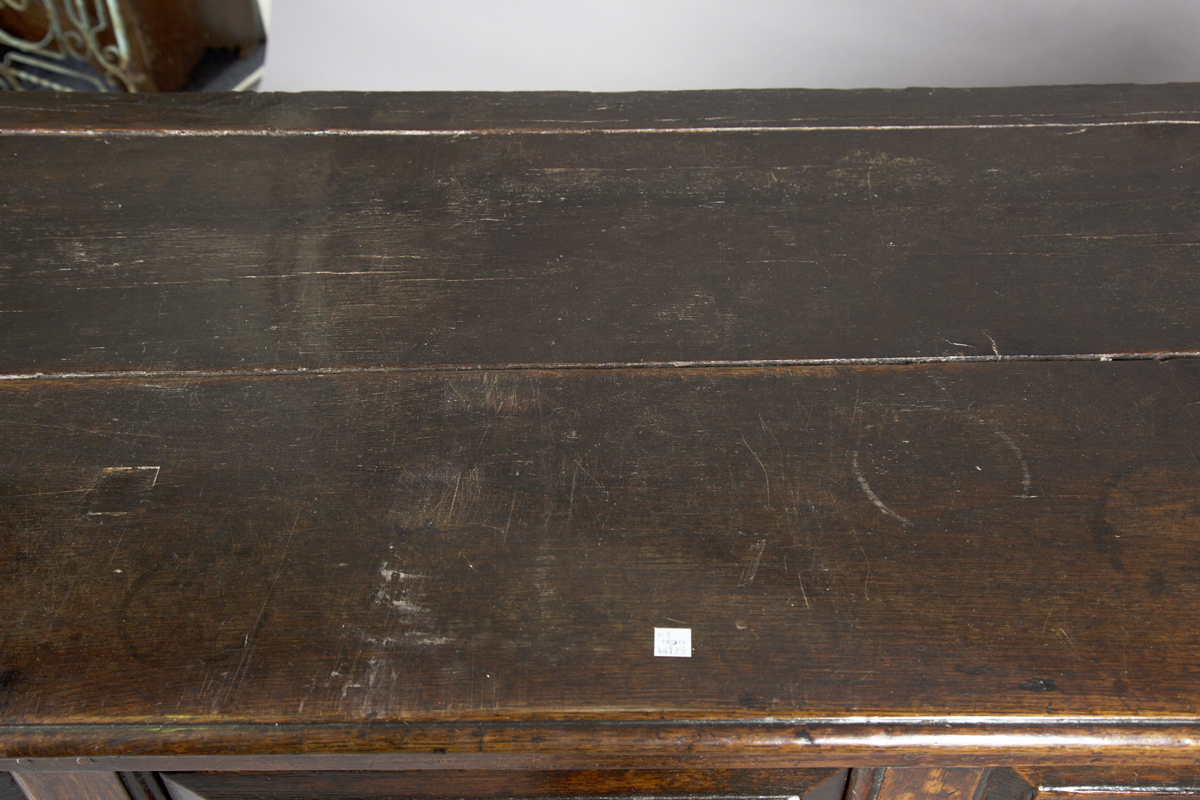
point(495, 247)
point(64, 785)
point(864, 783)
point(955, 783)
point(1078, 783)
point(9, 789)
point(1078, 780)
point(220, 113)
point(503, 443)
point(874, 541)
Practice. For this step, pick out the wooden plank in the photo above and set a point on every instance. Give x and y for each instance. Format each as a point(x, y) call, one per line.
point(234, 252)
point(1120, 783)
point(270, 504)
point(144, 785)
point(491, 550)
point(587, 743)
point(1006, 783)
point(71, 786)
point(9, 789)
point(864, 783)
point(275, 113)
point(916, 783)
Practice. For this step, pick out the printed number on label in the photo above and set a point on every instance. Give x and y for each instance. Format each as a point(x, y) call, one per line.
point(673, 642)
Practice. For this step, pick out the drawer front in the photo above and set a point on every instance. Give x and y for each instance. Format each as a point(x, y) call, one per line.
point(733, 784)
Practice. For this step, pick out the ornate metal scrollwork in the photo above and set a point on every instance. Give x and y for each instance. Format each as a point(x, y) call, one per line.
point(85, 47)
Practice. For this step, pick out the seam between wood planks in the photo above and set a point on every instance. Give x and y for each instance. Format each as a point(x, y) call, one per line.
point(608, 365)
point(513, 131)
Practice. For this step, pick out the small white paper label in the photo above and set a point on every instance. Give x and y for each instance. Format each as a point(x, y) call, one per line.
point(673, 642)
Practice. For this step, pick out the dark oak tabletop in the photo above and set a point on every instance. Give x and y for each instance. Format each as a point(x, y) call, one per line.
point(392, 426)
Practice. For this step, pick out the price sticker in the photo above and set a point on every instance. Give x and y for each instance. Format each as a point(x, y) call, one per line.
point(673, 642)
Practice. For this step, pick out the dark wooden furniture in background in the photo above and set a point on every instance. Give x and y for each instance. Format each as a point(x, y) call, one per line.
point(130, 45)
point(355, 446)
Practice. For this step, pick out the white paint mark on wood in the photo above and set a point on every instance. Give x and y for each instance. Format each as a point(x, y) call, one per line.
point(390, 574)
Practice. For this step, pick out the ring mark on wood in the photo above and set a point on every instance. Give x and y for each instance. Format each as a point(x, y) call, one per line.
point(122, 490)
point(920, 463)
point(1026, 478)
point(874, 498)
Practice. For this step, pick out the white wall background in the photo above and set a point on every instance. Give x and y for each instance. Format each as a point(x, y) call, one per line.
point(694, 44)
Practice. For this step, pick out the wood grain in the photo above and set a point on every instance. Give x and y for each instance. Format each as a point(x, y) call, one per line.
point(381, 434)
point(459, 546)
point(275, 113)
point(961, 783)
point(71, 785)
point(864, 783)
point(9, 789)
point(237, 252)
point(1064, 783)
